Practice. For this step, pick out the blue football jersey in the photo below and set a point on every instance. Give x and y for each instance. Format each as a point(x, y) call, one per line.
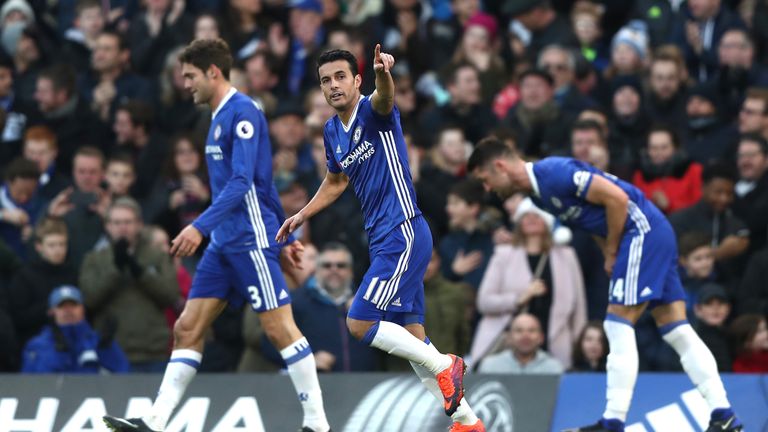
point(560, 187)
point(245, 212)
point(371, 151)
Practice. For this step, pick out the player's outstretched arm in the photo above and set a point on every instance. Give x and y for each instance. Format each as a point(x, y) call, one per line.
point(332, 187)
point(383, 98)
point(604, 193)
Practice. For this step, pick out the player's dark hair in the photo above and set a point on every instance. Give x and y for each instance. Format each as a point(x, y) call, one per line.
point(487, 150)
point(691, 241)
point(469, 190)
point(61, 76)
point(757, 139)
point(22, 168)
point(204, 53)
point(719, 170)
point(662, 128)
point(589, 125)
point(335, 55)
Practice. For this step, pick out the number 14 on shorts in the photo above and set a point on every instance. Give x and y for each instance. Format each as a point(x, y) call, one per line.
point(616, 290)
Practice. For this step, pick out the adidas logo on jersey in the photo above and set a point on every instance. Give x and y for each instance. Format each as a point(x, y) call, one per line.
point(282, 295)
point(396, 302)
point(338, 148)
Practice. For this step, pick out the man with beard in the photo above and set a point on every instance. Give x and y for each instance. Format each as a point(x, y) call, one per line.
point(320, 308)
point(666, 99)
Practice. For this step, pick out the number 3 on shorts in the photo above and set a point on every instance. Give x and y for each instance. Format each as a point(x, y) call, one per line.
point(617, 290)
point(255, 299)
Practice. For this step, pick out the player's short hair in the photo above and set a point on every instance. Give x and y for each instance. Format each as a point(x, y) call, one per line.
point(469, 190)
point(41, 133)
point(61, 76)
point(336, 55)
point(125, 203)
point(691, 241)
point(487, 150)
point(139, 111)
point(22, 168)
point(756, 138)
point(49, 226)
point(719, 170)
point(663, 128)
point(204, 53)
point(589, 125)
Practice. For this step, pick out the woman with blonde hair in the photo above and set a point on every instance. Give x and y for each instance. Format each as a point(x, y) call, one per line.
point(532, 274)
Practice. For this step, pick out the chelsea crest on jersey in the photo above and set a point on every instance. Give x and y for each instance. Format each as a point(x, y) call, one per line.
point(371, 151)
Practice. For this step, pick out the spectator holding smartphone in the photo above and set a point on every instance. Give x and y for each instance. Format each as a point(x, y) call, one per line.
point(83, 206)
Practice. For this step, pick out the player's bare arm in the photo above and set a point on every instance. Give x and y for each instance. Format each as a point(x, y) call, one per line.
point(615, 201)
point(332, 187)
point(383, 98)
point(185, 244)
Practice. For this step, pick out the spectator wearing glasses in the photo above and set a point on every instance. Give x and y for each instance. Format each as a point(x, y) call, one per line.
point(753, 114)
point(320, 308)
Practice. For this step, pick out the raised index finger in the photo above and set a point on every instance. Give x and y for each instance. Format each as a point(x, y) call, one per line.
point(377, 52)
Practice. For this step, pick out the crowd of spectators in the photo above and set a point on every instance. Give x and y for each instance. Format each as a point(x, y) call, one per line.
point(102, 161)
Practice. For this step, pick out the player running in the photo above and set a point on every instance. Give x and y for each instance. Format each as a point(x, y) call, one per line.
point(640, 255)
point(364, 144)
point(242, 261)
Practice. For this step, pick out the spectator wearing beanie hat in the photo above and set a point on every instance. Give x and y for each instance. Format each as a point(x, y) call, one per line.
point(479, 47)
point(15, 11)
point(629, 50)
point(628, 121)
point(536, 274)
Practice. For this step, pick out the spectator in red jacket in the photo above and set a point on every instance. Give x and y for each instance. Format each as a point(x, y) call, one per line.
point(667, 176)
point(749, 335)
